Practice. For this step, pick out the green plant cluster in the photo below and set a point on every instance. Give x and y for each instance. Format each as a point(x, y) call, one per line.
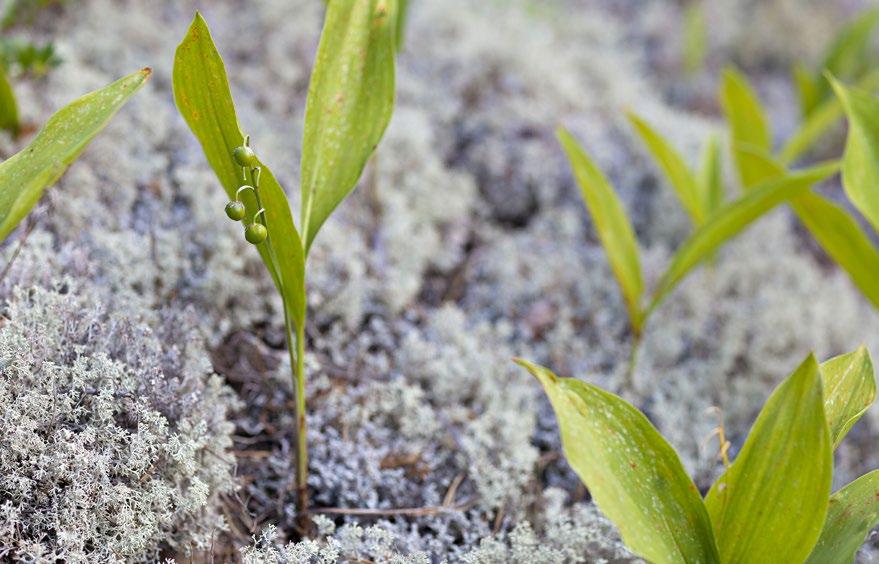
point(773, 503)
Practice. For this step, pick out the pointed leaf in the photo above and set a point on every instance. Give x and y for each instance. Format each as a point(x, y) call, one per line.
point(730, 220)
point(849, 390)
point(674, 167)
point(612, 224)
point(747, 120)
point(853, 512)
point(25, 175)
point(860, 169)
point(8, 105)
point(695, 38)
point(822, 118)
point(632, 473)
point(711, 176)
point(201, 91)
point(846, 57)
point(843, 239)
point(350, 100)
point(770, 504)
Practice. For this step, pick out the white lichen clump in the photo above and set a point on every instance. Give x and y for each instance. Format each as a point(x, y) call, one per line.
point(113, 433)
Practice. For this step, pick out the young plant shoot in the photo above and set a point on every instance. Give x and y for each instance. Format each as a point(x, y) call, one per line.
point(716, 222)
point(772, 504)
point(350, 101)
point(25, 175)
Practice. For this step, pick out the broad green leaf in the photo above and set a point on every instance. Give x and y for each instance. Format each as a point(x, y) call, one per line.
point(769, 505)
point(632, 473)
point(201, 91)
point(674, 167)
point(711, 176)
point(849, 390)
point(25, 175)
point(611, 223)
point(747, 120)
point(860, 168)
point(350, 100)
point(731, 219)
point(8, 105)
point(843, 239)
point(853, 512)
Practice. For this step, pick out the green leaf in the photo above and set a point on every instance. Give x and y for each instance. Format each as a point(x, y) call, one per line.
point(612, 224)
point(350, 100)
point(747, 120)
point(25, 175)
point(201, 91)
point(849, 390)
point(710, 179)
point(808, 89)
point(695, 38)
point(402, 14)
point(674, 167)
point(843, 239)
point(769, 505)
point(853, 511)
point(760, 167)
point(860, 168)
point(8, 105)
point(731, 219)
point(632, 473)
point(820, 120)
point(847, 54)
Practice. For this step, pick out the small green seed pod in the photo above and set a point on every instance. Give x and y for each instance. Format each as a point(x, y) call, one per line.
point(255, 233)
point(244, 156)
point(235, 210)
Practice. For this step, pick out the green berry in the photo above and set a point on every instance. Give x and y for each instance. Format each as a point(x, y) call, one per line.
point(255, 233)
point(244, 156)
point(235, 210)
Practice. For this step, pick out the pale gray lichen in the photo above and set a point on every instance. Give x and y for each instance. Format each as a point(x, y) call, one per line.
point(113, 434)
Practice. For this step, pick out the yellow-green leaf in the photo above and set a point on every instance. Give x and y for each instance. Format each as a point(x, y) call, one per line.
point(853, 512)
point(695, 45)
point(808, 89)
point(860, 169)
point(843, 239)
point(632, 473)
point(611, 223)
point(731, 219)
point(747, 120)
point(350, 100)
point(402, 15)
point(8, 105)
point(849, 390)
point(769, 505)
point(674, 167)
point(846, 56)
point(25, 175)
point(821, 118)
point(758, 165)
point(201, 91)
point(710, 179)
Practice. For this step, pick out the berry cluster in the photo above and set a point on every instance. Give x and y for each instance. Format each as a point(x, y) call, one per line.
point(255, 232)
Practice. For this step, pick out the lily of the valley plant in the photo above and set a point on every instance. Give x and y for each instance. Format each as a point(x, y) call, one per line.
point(772, 504)
point(350, 100)
point(765, 178)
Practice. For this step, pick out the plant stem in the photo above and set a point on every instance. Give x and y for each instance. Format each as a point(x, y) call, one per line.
point(629, 383)
point(296, 349)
